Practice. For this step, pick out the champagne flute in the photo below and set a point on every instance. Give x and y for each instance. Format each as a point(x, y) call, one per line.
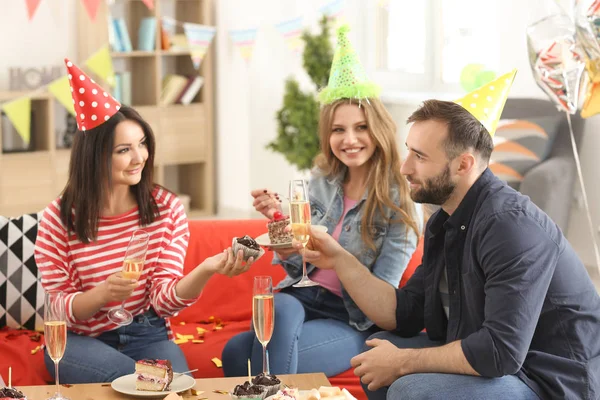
point(263, 314)
point(300, 218)
point(133, 264)
point(55, 332)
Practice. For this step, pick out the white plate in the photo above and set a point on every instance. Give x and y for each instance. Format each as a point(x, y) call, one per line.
point(126, 385)
point(264, 240)
point(301, 393)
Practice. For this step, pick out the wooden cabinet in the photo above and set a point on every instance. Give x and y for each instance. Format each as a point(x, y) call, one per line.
point(185, 134)
point(30, 180)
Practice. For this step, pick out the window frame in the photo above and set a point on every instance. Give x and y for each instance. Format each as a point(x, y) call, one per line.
point(402, 83)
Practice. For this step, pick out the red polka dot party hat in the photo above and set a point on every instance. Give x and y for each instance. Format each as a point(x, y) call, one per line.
point(93, 105)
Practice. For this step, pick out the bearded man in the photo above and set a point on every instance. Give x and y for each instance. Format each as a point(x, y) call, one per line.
point(501, 306)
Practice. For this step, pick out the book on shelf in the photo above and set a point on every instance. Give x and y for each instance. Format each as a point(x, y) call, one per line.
point(147, 34)
point(120, 33)
point(122, 89)
point(113, 38)
point(180, 89)
point(117, 90)
point(165, 40)
point(171, 87)
point(190, 91)
point(126, 88)
point(179, 42)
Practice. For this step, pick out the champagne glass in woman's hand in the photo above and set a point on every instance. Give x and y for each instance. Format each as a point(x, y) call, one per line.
point(263, 314)
point(55, 332)
point(300, 219)
point(133, 265)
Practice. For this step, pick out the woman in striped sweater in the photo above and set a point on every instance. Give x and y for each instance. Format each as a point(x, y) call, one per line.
point(83, 236)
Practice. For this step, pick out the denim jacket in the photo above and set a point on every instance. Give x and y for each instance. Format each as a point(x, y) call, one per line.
point(394, 242)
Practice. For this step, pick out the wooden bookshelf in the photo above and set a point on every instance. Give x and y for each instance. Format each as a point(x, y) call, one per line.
point(184, 133)
point(31, 178)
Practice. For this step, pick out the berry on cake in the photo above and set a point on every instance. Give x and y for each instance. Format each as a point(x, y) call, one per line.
point(276, 227)
point(153, 375)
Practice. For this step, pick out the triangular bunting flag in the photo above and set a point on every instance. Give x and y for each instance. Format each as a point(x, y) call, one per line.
point(91, 7)
point(333, 9)
point(199, 38)
point(292, 32)
point(101, 64)
point(32, 6)
point(60, 89)
point(487, 102)
point(384, 4)
point(244, 40)
point(19, 113)
point(149, 4)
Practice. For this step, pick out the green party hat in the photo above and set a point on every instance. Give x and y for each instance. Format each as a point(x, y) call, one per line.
point(347, 79)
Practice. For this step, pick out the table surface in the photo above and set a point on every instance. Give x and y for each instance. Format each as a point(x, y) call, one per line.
point(103, 391)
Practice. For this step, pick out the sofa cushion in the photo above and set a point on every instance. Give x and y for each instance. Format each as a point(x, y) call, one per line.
point(21, 293)
point(16, 348)
point(199, 355)
point(212, 237)
point(519, 145)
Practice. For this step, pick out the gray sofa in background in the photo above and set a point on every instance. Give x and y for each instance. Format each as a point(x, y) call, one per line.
point(550, 183)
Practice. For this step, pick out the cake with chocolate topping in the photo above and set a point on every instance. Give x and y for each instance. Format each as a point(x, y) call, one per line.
point(153, 375)
point(248, 246)
point(7, 393)
point(276, 227)
point(270, 382)
point(248, 390)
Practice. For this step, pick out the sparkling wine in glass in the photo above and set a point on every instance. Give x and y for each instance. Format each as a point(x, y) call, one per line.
point(133, 265)
point(300, 219)
point(263, 314)
point(55, 332)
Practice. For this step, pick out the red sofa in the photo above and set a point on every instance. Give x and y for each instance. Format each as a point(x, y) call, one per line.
point(223, 310)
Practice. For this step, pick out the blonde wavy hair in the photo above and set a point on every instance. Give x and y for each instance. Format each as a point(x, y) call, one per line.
point(384, 168)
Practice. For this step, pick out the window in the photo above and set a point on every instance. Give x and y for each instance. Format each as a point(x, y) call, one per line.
point(423, 45)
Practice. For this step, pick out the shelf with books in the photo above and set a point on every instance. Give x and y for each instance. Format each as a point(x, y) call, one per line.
point(175, 52)
point(131, 27)
point(182, 122)
point(181, 82)
point(133, 53)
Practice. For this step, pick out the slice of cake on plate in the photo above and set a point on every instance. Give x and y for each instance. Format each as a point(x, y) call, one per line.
point(153, 375)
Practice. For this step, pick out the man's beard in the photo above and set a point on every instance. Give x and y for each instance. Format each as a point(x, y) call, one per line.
point(436, 190)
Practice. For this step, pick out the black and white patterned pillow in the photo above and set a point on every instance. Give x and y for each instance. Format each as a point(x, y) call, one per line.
point(21, 292)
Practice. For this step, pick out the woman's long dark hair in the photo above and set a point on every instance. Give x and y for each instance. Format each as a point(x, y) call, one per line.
point(90, 172)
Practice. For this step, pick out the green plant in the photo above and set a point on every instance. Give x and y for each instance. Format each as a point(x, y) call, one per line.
point(298, 119)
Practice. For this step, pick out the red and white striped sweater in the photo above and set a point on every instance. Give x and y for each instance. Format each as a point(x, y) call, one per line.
point(69, 265)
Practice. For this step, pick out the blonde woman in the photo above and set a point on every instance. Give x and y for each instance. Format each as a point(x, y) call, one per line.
point(358, 193)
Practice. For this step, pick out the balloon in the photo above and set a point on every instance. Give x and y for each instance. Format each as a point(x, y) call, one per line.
point(556, 60)
point(474, 76)
point(587, 25)
point(468, 75)
point(484, 77)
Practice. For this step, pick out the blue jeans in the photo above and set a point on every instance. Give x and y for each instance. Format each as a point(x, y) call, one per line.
point(114, 353)
point(446, 386)
point(311, 335)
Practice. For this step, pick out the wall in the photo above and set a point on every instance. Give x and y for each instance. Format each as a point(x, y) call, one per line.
point(249, 94)
point(45, 41)
point(512, 46)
